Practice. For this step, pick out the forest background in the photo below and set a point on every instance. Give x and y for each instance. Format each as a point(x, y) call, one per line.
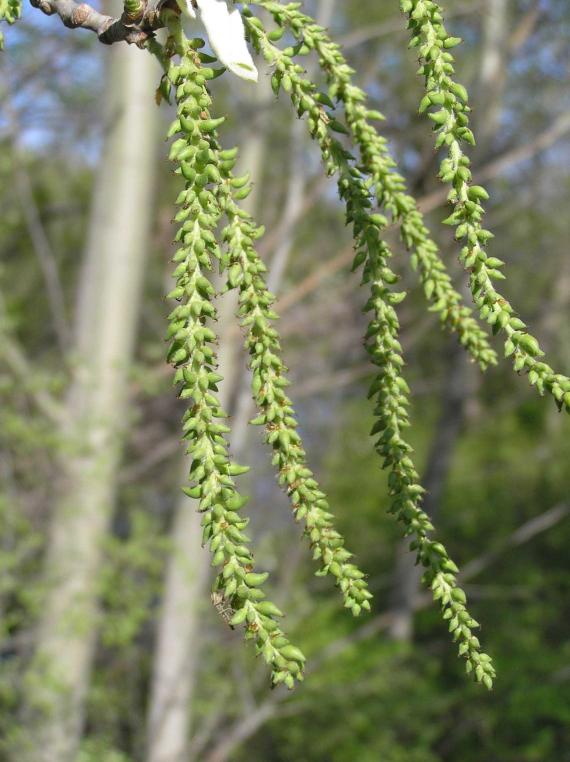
point(91, 461)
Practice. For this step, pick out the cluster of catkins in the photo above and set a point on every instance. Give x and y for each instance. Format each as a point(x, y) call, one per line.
point(215, 232)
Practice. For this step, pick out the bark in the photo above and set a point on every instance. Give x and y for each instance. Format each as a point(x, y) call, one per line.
point(134, 30)
point(44, 253)
point(95, 414)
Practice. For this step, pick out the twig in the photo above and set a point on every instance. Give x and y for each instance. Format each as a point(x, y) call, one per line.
point(161, 452)
point(107, 28)
point(18, 364)
point(39, 238)
point(517, 155)
point(520, 536)
point(45, 256)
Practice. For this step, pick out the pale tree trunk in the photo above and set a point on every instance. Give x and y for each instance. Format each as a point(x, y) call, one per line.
point(460, 379)
point(96, 416)
point(492, 72)
point(176, 656)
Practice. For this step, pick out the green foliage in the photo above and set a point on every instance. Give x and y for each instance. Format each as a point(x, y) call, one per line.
point(16, 563)
point(131, 579)
point(387, 703)
point(398, 703)
point(10, 11)
point(94, 750)
point(18, 599)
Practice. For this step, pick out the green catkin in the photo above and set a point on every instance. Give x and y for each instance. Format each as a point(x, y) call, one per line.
point(193, 354)
point(389, 185)
point(209, 201)
point(451, 126)
point(389, 388)
point(276, 413)
point(245, 271)
point(10, 11)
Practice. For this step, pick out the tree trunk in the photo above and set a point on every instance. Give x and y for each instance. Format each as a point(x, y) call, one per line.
point(492, 72)
point(108, 304)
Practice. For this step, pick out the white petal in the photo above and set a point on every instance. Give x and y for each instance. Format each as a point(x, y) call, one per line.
point(227, 37)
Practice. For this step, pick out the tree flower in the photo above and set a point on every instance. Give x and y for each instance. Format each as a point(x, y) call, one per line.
point(226, 34)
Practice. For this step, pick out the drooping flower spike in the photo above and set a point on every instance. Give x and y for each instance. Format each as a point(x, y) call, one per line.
point(446, 104)
point(389, 388)
point(193, 353)
point(215, 229)
point(389, 185)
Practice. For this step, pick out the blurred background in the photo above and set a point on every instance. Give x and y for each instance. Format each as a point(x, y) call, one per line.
point(109, 647)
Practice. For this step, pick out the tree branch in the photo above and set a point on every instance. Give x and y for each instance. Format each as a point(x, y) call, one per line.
point(15, 359)
point(108, 29)
point(517, 155)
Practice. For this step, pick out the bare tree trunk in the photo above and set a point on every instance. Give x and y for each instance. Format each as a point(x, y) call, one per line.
point(459, 376)
point(96, 417)
point(492, 73)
